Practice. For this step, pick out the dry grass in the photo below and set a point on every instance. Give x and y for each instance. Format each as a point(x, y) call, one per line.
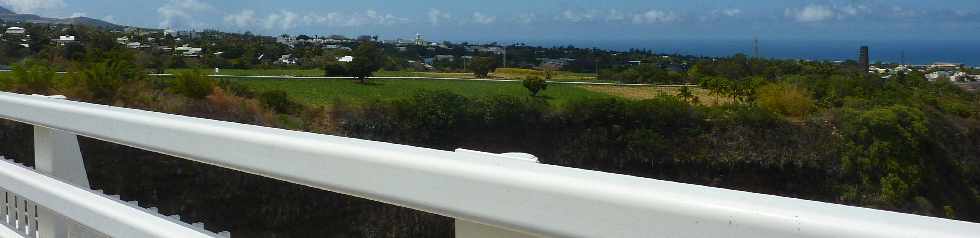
point(515, 73)
point(640, 93)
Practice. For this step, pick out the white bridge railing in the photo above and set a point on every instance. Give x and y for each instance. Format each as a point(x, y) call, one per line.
point(489, 195)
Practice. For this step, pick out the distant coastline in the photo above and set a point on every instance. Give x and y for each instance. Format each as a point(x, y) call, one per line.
point(890, 51)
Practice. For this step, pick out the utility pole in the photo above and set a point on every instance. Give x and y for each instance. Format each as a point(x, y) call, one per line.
point(505, 56)
point(755, 47)
point(596, 61)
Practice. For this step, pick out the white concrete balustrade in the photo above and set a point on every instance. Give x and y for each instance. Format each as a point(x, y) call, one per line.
point(489, 195)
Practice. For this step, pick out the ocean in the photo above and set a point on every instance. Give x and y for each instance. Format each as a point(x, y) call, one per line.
point(889, 51)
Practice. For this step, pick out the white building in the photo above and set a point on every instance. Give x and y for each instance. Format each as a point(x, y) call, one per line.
point(346, 59)
point(943, 65)
point(286, 59)
point(16, 31)
point(938, 75)
point(189, 51)
point(62, 40)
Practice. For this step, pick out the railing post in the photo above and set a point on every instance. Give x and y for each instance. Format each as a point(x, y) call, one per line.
point(468, 229)
point(56, 153)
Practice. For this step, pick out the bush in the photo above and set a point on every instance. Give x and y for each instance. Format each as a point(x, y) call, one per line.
point(785, 99)
point(193, 84)
point(278, 101)
point(535, 85)
point(31, 78)
point(482, 66)
point(103, 80)
point(236, 88)
point(336, 70)
point(884, 149)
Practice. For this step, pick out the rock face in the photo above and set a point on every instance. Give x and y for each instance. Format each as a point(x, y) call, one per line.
point(10, 16)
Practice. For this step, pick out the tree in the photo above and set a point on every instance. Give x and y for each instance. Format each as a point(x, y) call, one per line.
point(686, 94)
point(368, 58)
point(535, 85)
point(482, 66)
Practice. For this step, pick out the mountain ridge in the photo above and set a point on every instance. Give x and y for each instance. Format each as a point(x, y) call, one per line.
point(10, 16)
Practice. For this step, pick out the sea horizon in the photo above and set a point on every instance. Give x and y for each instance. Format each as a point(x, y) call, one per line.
point(915, 52)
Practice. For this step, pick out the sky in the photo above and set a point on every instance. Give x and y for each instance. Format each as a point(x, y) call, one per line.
point(542, 20)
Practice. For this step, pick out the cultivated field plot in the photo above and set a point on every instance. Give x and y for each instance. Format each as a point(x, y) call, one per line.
point(704, 96)
point(326, 92)
point(503, 73)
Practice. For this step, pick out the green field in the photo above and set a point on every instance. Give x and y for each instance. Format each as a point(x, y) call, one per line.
point(502, 73)
point(325, 92)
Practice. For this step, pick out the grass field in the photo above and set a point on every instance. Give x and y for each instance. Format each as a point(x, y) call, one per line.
point(641, 93)
point(325, 92)
point(514, 73)
point(504, 73)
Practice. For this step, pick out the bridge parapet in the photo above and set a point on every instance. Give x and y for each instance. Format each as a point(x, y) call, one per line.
point(488, 194)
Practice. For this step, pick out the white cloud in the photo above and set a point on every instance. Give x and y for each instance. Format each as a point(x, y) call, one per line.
point(655, 17)
point(733, 12)
point(77, 14)
point(245, 18)
point(526, 18)
point(369, 17)
point(437, 16)
point(109, 19)
point(576, 17)
point(718, 14)
point(811, 13)
point(283, 20)
point(179, 13)
point(615, 15)
point(481, 18)
point(32, 6)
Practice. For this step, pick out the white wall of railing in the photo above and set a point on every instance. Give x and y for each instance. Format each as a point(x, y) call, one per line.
point(488, 194)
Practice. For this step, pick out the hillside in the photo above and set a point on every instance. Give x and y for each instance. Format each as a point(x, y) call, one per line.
point(10, 16)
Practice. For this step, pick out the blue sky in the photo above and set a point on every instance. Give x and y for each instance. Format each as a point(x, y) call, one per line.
point(510, 20)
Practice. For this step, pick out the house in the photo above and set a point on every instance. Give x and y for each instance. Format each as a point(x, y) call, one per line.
point(346, 59)
point(16, 31)
point(122, 40)
point(286, 59)
point(449, 58)
point(188, 51)
point(938, 75)
point(62, 40)
point(134, 45)
point(945, 66)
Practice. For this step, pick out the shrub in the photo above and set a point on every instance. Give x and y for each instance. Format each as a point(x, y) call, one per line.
point(31, 78)
point(236, 88)
point(482, 66)
point(193, 84)
point(535, 85)
point(885, 148)
point(278, 101)
point(336, 70)
point(785, 99)
point(103, 80)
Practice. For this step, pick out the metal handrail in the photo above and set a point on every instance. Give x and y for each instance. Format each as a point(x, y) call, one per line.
point(515, 195)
